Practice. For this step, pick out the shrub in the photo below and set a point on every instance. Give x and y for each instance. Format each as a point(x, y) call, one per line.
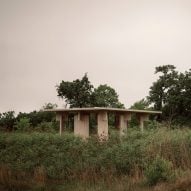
point(47, 127)
point(37, 117)
point(7, 120)
point(160, 170)
point(23, 124)
point(151, 124)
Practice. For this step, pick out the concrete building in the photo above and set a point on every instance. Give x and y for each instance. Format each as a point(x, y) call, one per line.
point(81, 119)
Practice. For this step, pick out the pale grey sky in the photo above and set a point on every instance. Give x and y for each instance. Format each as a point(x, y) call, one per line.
point(118, 42)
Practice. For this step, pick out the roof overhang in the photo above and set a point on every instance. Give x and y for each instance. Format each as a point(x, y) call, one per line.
point(98, 109)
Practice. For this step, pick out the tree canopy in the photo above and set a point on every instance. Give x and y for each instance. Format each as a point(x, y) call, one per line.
point(77, 93)
point(171, 93)
point(7, 120)
point(142, 104)
point(81, 93)
point(106, 96)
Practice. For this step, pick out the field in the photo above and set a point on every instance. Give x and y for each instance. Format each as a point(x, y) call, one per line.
point(158, 159)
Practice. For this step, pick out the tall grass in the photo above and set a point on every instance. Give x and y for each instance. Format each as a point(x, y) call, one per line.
point(40, 160)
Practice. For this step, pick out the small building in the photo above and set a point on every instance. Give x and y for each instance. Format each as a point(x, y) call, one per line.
point(82, 119)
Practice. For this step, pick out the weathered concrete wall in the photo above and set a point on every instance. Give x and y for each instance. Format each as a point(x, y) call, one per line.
point(142, 118)
point(123, 123)
point(81, 125)
point(62, 118)
point(81, 120)
point(102, 125)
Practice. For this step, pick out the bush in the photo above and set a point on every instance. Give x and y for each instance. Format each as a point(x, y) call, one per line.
point(160, 170)
point(7, 120)
point(37, 117)
point(23, 124)
point(44, 126)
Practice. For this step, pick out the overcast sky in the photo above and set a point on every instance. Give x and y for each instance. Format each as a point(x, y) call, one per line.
point(117, 42)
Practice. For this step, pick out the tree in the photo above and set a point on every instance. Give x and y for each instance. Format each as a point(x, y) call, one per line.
point(49, 106)
point(77, 93)
point(38, 117)
point(81, 93)
point(171, 92)
point(106, 96)
point(7, 120)
point(159, 90)
point(142, 104)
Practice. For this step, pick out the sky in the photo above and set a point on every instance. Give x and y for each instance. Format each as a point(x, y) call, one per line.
point(117, 42)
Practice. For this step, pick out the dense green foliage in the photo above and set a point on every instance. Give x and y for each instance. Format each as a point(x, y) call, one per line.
point(142, 104)
point(158, 170)
point(37, 117)
point(23, 124)
point(76, 93)
point(105, 96)
point(28, 121)
point(171, 93)
point(81, 93)
point(45, 158)
point(7, 120)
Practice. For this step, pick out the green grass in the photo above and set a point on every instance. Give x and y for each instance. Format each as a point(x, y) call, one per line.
point(45, 161)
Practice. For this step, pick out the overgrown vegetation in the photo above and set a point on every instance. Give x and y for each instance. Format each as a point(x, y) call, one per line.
point(32, 121)
point(36, 160)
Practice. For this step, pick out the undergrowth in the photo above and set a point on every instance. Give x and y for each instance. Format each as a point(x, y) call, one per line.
point(45, 161)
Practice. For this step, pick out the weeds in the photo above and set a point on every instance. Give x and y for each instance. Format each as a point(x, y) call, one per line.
point(38, 160)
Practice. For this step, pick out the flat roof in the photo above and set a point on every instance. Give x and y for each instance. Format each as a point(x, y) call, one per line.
point(97, 109)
